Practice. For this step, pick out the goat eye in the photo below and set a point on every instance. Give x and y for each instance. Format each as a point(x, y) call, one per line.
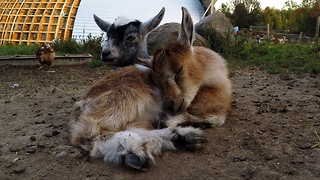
point(178, 72)
point(130, 38)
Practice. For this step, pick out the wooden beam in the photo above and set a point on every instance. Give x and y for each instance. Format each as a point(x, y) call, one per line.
point(318, 23)
point(213, 2)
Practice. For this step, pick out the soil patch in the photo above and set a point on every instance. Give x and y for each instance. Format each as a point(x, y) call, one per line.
point(268, 135)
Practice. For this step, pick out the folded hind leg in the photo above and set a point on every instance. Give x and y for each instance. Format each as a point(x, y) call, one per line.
point(209, 108)
point(197, 121)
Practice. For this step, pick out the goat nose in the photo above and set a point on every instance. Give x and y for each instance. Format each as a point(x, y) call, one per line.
point(168, 103)
point(105, 52)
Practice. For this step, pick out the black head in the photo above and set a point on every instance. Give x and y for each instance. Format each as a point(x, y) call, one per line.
point(126, 39)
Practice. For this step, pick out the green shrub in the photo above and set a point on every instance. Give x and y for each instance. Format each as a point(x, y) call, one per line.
point(90, 45)
point(95, 63)
point(273, 58)
point(226, 48)
point(69, 46)
point(11, 50)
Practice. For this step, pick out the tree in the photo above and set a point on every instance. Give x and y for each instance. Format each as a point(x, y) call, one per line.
point(250, 5)
point(290, 5)
point(305, 16)
point(273, 17)
point(240, 16)
point(246, 13)
point(224, 8)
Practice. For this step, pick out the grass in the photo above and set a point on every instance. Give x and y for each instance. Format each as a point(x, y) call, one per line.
point(12, 50)
point(273, 58)
point(95, 63)
point(280, 58)
point(90, 45)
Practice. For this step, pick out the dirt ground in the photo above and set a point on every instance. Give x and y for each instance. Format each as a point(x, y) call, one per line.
point(269, 133)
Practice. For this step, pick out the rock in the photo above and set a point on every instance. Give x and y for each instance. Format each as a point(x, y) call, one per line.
point(247, 174)
point(31, 149)
point(283, 110)
point(219, 23)
point(19, 170)
point(48, 134)
point(55, 132)
point(40, 122)
point(239, 158)
point(62, 154)
point(168, 33)
point(41, 145)
point(14, 149)
point(32, 138)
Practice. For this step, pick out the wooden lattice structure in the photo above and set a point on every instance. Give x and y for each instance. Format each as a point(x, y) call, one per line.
point(36, 21)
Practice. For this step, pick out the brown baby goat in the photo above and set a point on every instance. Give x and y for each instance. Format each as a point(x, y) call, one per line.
point(193, 80)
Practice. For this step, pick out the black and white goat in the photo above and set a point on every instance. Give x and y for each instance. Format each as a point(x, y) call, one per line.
point(126, 40)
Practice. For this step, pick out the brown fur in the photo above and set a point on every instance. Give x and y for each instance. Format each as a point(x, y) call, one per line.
point(119, 116)
point(201, 89)
point(122, 99)
point(194, 80)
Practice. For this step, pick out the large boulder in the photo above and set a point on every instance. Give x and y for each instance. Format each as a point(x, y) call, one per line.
point(168, 33)
point(219, 23)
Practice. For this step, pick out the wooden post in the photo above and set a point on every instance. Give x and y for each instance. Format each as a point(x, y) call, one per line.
point(213, 2)
point(318, 23)
point(317, 27)
point(268, 31)
point(300, 37)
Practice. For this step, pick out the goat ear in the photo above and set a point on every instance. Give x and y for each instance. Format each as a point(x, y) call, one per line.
point(103, 25)
point(187, 30)
point(152, 23)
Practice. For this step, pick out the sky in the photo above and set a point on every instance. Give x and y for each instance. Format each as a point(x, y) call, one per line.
point(278, 4)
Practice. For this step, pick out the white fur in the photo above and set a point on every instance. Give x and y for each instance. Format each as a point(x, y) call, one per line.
point(142, 143)
point(216, 120)
point(122, 20)
point(186, 130)
point(84, 105)
point(142, 68)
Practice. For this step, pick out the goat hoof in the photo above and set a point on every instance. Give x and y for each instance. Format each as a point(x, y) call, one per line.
point(194, 141)
point(135, 162)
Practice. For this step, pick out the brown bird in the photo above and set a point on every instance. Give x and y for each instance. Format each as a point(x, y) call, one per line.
point(45, 55)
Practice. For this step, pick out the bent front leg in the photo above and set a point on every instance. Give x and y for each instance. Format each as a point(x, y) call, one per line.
point(134, 147)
